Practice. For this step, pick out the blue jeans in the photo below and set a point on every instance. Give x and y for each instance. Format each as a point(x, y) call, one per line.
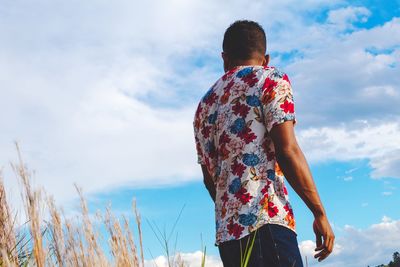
point(274, 246)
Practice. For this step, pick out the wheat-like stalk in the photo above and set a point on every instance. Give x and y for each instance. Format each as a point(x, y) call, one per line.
point(50, 238)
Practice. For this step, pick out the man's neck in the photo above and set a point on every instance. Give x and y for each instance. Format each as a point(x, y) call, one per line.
point(248, 62)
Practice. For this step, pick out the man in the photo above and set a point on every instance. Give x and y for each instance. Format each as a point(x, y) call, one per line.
point(246, 145)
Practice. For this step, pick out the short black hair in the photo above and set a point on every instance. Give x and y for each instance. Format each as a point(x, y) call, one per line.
point(243, 39)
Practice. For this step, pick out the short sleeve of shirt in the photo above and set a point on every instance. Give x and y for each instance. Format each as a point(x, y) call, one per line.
point(200, 153)
point(277, 100)
point(204, 130)
point(197, 137)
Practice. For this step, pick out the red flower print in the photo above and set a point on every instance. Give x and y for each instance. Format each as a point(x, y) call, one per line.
point(205, 131)
point(247, 135)
point(243, 196)
point(224, 138)
point(264, 190)
point(238, 168)
point(227, 74)
point(288, 107)
point(269, 84)
point(250, 79)
point(288, 210)
point(286, 78)
point(285, 190)
point(235, 229)
point(224, 197)
point(224, 153)
point(229, 86)
point(211, 99)
point(241, 109)
point(270, 155)
point(272, 209)
point(263, 200)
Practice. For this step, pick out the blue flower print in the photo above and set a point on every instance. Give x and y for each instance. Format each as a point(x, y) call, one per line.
point(234, 187)
point(247, 219)
point(253, 100)
point(238, 126)
point(271, 175)
point(210, 147)
point(244, 72)
point(208, 94)
point(251, 159)
point(213, 117)
point(277, 74)
point(218, 171)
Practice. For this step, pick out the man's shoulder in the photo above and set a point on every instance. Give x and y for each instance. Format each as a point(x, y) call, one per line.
point(270, 72)
point(260, 71)
point(240, 73)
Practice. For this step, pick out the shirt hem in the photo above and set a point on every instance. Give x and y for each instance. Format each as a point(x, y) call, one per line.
point(217, 243)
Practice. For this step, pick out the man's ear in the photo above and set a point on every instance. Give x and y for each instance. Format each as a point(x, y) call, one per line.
point(266, 60)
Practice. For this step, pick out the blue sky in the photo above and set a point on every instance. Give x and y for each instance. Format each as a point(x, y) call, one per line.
point(103, 95)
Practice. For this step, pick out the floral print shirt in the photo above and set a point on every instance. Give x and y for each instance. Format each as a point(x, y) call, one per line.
point(232, 125)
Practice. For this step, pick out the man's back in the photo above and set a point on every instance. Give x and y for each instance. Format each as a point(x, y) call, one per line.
point(245, 143)
point(232, 126)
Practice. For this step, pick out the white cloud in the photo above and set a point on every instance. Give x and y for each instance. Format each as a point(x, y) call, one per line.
point(339, 81)
point(379, 91)
point(346, 90)
point(72, 75)
point(345, 17)
point(84, 86)
point(348, 178)
point(360, 247)
point(378, 143)
point(351, 170)
point(190, 259)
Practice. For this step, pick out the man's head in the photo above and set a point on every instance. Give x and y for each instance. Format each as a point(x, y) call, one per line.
point(244, 44)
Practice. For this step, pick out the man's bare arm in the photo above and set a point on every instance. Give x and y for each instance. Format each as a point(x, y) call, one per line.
point(208, 182)
point(295, 168)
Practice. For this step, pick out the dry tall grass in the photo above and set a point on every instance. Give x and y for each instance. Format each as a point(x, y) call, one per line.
point(48, 238)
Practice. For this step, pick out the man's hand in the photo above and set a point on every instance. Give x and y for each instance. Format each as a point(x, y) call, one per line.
point(324, 237)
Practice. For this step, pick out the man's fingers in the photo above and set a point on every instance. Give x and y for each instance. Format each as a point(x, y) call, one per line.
point(331, 244)
point(325, 253)
point(325, 249)
point(320, 254)
point(318, 240)
point(327, 241)
point(323, 257)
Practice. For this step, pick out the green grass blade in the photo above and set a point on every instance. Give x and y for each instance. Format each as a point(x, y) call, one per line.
point(203, 259)
point(248, 251)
